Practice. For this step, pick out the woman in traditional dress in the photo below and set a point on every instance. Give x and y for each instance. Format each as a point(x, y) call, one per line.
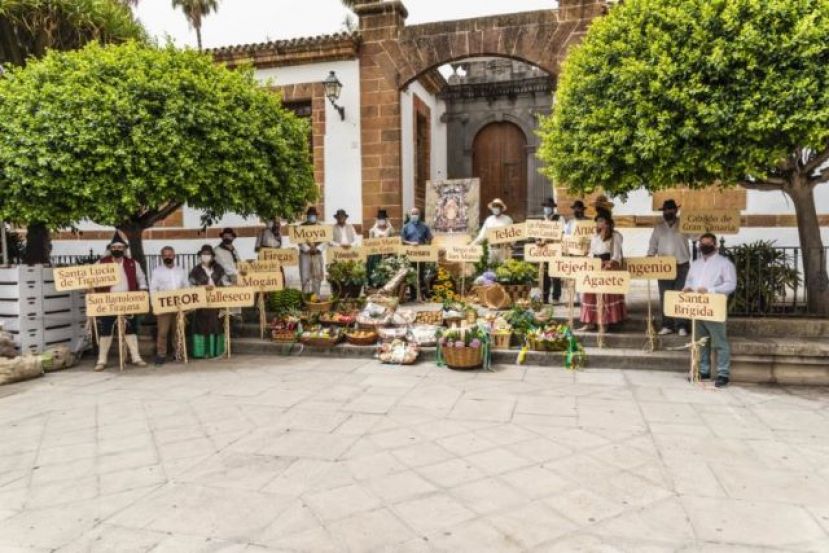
point(382, 229)
point(606, 245)
point(208, 339)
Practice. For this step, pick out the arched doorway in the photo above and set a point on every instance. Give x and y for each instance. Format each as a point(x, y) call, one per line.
point(499, 160)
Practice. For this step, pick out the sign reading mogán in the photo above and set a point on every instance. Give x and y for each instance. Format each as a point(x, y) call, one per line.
point(117, 303)
point(84, 277)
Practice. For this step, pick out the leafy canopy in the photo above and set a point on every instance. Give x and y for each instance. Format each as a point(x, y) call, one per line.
point(127, 133)
point(667, 92)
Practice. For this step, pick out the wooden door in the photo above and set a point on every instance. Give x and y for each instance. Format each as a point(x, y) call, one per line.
point(499, 159)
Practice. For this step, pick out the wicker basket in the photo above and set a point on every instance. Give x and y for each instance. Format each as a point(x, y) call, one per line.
point(463, 358)
point(541, 345)
point(319, 307)
point(429, 318)
point(321, 342)
point(501, 339)
point(495, 296)
point(284, 336)
point(450, 322)
point(518, 292)
point(369, 340)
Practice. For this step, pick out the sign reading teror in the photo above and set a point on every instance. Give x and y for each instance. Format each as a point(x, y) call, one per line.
point(570, 267)
point(651, 268)
point(117, 303)
point(311, 233)
point(84, 277)
point(173, 301)
point(507, 234)
point(603, 282)
point(692, 305)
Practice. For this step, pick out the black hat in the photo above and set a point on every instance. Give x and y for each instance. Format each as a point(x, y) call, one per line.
point(341, 213)
point(229, 231)
point(602, 213)
point(578, 204)
point(549, 202)
point(668, 204)
point(207, 248)
point(117, 239)
point(311, 211)
point(382, 214)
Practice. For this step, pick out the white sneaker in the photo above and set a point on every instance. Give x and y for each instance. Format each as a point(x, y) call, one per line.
point(665, 331)
point(683, 332)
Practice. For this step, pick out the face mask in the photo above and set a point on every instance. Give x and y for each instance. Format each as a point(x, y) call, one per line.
point(415, 218)
point(117, 254)
point(548, 211)
point(496, 210)
point(169, 262)
point(206, 258)
point(227, 241)
point(312, 218)
point(669, 217)
point(707, 249)
point(579, 214)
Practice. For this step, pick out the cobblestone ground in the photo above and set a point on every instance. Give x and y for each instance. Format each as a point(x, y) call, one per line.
point(270, 454)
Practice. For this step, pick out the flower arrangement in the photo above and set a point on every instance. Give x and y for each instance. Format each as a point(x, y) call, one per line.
point(513, 271)
point(388, 268)
point(469, 337)
point(444, 287)
point(464, 348)
point(548, 338)
point(522, 319)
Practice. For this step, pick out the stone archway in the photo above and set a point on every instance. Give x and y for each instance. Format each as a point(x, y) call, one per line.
point(392, 55)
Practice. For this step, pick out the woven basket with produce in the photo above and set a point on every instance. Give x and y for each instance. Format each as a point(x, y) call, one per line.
point(285, 329)
point(361, 337)
point(398, 352)
point(339, 319)
point(464, 348)
point(317, 304)
point(549, 338)
point(321, 337)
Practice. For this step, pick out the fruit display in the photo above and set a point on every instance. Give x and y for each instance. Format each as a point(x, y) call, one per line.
point(374, 314)
point(423, 335)
point(403, 317)
point(313, 302)
point(549, 338)
point(361, 337)
point(341, 319)
point(398, 352)
point(321, 336)
point(285, 301)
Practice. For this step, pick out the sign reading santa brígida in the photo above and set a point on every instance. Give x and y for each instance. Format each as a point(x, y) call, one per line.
point(694, 305)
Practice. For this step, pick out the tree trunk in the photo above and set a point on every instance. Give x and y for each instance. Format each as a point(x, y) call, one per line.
point(136, 243)
point(198, 36)
point(38, 244)
point(816, 278)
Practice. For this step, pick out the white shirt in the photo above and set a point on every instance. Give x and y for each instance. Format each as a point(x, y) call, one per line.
point(225, 259)
point(667, 240)
point(123, 285)
point(493, 221)
point(344, 235)
point(377, 232)
point(570, 225)
point(168, 278)
point(269, 238)
point(716, 273)
point(599, 246)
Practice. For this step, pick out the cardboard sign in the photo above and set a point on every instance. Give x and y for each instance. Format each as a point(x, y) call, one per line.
point(84, 277)
point(420, 254)
point(507, 234)
point(537, 253)
point(262, 282)
point(692, 305)
point(345, 254)
point(381, 246)
point(258, 266)
point(173, 301)
point(714, 220)
point(117, 303)
point(570, 267)
point(550, 231)
point(651, 268)
point(575, 245)
point(301, 234)
point(287, 257)
point(231, 296)
point(734, 199)
point(603, 282)
point(464, 254)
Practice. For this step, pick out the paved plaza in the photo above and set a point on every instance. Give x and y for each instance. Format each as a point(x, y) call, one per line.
point(269, 454)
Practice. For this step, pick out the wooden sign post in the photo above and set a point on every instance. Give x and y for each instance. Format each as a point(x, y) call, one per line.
point(567, 269)
point(228, 297)
point(541, 254)
point(649, 269)
point(696, 306)
point(418, 255)
point(118, 304)
point(601, 283)
point(179, 302)
point(464, 255)
point(507, 234)
point(262, 282)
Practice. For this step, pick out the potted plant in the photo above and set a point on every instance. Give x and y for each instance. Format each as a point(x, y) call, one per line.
point(347, 278)
point(517, 278)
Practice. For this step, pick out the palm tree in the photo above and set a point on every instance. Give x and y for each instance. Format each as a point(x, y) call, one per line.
point(194, 11)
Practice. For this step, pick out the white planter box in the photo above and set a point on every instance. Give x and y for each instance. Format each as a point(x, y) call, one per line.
point(18, 323)
point(26, 307)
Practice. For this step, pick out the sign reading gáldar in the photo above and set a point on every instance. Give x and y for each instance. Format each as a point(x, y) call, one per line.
point(231, 296)
point(301, 234)
point(464, 254)
point(714, 220)
point(538, 253)
point(507, 234)
point(693, 305)
point(84, 277)
point(651, 268)
point(287, 257)
point(173, 301)
point(117, 303)
point(603, 282)
point(571, 267)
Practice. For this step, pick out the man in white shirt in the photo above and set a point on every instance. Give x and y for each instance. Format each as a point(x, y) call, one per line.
point(578, 208)
point(226, 254)
point(668, 241)
point(270, 237)
point(712, 273)
point(344, 234)
point(167, 276)
point(500, 253)
point(311, 268)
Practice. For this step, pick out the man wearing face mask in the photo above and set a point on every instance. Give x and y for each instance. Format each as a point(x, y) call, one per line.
point(578, 208)
point(226, 254)
point(167, 276)
point(712, 273)
point(501, 252)
point(550, 214)
point(667, 240)
point(132, 280)
point(311, 269)
point(414, 233)
point(271, 237)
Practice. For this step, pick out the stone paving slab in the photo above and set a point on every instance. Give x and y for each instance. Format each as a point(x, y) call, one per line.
point(263, 454)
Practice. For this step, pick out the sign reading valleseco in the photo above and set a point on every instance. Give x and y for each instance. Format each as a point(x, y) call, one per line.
point(545, 230)
point(288, 257)
point(538, 253)
point(381, 246)
point(507, 234)
point(301, 234)
point(345, 254)
point(420, 254)
point(651, 268)
point(173, 301)
point(262, 281)
point(464, 254)
point(258, 266)
point(603, 282)
point(692, 305)
point(117, 303)
point(715, 221)
point(84, 277)
point(231, 296)
point(571, 267)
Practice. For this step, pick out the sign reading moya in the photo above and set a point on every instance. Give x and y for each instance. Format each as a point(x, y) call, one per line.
point(692, 305)
point(231, 296)
point(345, 254)
point(464, 254)
point(651, 268)
point(288, 257)
point(262, 281)
point(117, 303)
point(570, 267)
point(507, 234)
point(545, 230)
point(603, 282)
point(538, 253)
point(173, 301)
point(311, 233)
point(84, 277)
point(716, 221)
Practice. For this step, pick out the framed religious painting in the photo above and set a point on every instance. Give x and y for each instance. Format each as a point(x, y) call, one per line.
point(452, 206)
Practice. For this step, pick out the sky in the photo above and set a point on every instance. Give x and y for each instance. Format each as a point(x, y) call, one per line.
point(251, 21)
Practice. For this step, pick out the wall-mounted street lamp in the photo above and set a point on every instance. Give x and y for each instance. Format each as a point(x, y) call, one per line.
point(333, 86)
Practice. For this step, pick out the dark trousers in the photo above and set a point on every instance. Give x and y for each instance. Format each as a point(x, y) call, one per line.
point(550, 282)
point(674, 285)
point(106, 325)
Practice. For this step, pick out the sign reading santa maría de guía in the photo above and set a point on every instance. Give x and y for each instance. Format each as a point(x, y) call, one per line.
point(603, 282)
point(420, 254)
point(651, 268)
point(231, 296)
point(301, 234)
point(258, 266)
point(84, 277)
point(117, 303)
point(338, 254)
point(571, 267)
point(538, 253)
point(545, 230)
point(381, 246)
point(693, 305)
point(173, 301)
point(715, 221)
point(507, 234)
point(464, 254)
point(262, 281)
point(287, 257)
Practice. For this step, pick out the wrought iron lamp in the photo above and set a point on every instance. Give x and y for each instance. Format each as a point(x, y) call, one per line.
point(333, 86)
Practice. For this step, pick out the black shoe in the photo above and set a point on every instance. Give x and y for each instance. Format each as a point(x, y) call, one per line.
point(722, 382)
point(704, 376)
point(159, 360)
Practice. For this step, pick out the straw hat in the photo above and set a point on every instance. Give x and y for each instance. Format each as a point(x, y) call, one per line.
point(601, 202)
point(497, 202)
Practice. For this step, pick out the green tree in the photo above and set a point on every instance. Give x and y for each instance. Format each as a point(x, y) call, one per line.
point(125, 135)
point(195, 11)
point(693, 92)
